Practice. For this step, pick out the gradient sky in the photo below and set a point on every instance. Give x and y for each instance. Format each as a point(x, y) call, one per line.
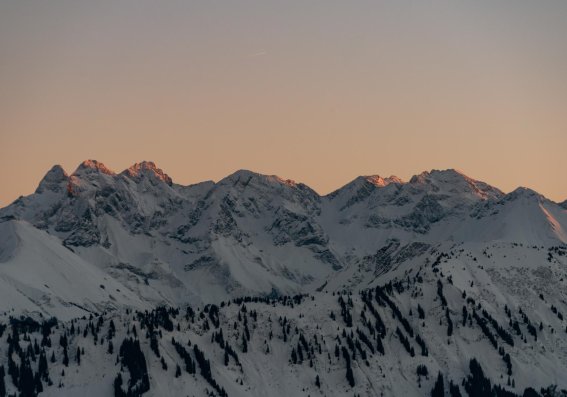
point(319, 91)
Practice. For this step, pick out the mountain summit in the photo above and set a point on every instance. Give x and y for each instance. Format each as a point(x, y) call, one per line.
point(55, 179)
point(92, 166)
point(147, 169)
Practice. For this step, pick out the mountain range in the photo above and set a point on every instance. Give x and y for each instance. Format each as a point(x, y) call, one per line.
point(250, 233)
point(97, 242)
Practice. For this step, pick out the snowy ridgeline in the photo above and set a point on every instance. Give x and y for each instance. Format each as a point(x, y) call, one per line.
point(433, 330)
point(150, 241)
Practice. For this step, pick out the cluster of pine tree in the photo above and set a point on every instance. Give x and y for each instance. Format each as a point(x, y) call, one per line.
point(28, 382)
point(205, 367)
point(185, 356)
point(345, 310)
point(132, 357)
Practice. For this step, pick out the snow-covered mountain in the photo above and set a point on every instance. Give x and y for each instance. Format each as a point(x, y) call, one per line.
point(100, 243)
point(253, 233)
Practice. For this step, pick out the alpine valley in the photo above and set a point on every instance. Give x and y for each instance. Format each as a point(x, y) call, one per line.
point(128, 284)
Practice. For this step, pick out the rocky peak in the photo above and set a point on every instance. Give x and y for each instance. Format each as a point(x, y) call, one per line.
point(378, 181)
point(524, 194)
point(147, 169)
point(245, 178)
point(455, 182)
point(448, 175)
point(55, 180)
point(361, 187)
point(92, 167)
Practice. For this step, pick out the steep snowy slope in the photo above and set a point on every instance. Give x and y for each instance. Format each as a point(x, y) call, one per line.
point(38, 274)
point(522, 216)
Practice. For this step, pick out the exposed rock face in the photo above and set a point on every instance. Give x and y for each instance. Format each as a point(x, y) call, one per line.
point(55, 180)
point(147, 169)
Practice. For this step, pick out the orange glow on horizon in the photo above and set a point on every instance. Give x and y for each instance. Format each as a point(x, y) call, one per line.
point(319, 92)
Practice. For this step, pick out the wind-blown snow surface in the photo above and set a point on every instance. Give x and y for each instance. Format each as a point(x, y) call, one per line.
point(98, 241)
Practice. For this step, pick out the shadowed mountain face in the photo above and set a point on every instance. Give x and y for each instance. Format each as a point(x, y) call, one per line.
point(263, 234)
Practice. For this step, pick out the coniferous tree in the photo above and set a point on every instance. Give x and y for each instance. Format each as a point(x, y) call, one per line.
point(349, 374)
point(154, 344)
point(299, 353)
point(111, 330)
point(422, 370)
point(476, 384)
point(63, 341)
point(65, 357)
point(37, 383)
point(12, 367)
point(449, 323)
point(26, 384)
point(293, 356)
point(118, 392)
point(2, 382)
point(530, 392)
point(454, 390)
point(42, 366)
point(379, 345)
point(244, 344)
point(439, 388)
